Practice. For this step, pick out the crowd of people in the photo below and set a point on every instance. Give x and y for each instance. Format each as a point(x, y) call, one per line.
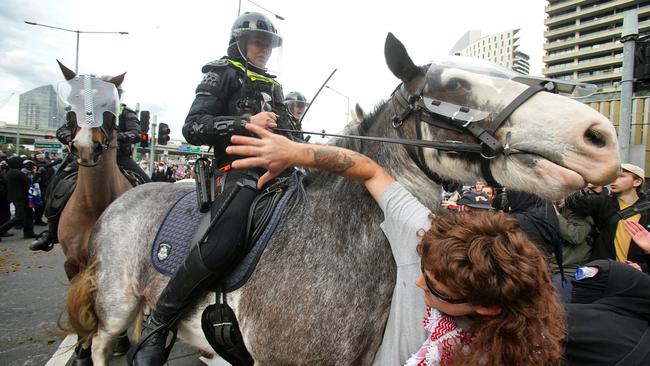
point(23, 184)
point(170, 172)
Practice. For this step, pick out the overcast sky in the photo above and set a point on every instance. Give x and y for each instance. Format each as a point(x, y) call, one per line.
point(168, 42)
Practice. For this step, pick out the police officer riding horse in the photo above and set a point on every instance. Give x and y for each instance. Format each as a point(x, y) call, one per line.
point(63, 183)
point(235, 90)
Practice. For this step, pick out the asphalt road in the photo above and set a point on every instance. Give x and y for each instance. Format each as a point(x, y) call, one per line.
point(32, 295)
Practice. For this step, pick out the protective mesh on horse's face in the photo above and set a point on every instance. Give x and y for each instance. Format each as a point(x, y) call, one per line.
point(88, 98)
point(477, 66)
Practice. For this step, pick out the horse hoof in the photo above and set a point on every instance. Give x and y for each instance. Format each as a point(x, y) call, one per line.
point(87, 361)
point(121, 346)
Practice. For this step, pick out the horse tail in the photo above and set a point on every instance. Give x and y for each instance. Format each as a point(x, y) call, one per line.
point(80, 303)
point(137, 326)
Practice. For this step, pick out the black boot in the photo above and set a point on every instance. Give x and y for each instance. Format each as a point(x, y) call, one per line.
point(43, 242)
point(186, 282)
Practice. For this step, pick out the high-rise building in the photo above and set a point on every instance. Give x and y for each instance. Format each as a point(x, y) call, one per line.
point(38, 109)
point(500, 48)
point(583, 44)
point(582, 40)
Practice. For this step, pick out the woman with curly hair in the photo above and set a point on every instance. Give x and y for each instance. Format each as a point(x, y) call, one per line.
point(489, 295)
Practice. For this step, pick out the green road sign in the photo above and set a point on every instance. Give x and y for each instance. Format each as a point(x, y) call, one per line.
point(47, 145)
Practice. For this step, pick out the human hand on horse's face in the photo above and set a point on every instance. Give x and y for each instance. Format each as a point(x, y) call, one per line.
point(271, 151)
point(266, 120)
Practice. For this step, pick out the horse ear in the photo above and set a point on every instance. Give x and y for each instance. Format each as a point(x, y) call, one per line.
point(117, 80)
point(398, 60)
point(67, 73)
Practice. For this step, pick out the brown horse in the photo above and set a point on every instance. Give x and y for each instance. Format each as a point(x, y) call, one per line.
point(99, 180)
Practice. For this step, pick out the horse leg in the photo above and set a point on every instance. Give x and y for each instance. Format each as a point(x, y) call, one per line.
point(71, 268)
point(117, 308)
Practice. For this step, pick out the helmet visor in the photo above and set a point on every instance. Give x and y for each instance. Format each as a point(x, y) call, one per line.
point(88, 98)
point(297, 108)
point(261, 48)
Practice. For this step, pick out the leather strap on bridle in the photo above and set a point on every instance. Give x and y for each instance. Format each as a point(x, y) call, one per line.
point(490, 147)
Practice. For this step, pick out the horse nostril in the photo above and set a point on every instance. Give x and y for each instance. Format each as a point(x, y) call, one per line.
point(595, 138)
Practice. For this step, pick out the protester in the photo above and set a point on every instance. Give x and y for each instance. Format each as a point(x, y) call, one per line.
point(490, 193)
point(609, 315)
point(18, 189)
point(489, 312)
point(537, 218)
point(609, 213)
point(577, 240)
point(470, 201)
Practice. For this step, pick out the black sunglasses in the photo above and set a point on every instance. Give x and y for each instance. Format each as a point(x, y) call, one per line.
point(437, 293)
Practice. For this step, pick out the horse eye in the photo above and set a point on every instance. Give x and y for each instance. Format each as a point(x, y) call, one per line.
point(456, 84)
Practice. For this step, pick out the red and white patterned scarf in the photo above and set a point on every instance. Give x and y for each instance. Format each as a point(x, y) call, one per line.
point(446, 338)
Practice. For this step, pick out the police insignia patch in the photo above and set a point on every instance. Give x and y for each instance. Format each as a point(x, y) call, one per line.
point(163, 252)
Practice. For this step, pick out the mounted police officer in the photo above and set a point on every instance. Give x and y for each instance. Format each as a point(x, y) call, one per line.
point(235, 90)
point(60, 188)
point(296, 104)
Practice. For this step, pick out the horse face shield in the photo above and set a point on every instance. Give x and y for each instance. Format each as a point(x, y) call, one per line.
point(88, 98)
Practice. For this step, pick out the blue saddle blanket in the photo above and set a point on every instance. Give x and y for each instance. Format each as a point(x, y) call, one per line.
point(184, 225)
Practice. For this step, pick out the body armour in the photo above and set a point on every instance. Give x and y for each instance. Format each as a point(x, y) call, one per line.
point(225, 99)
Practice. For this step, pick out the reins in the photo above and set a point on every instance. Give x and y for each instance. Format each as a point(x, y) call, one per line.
point(449, 116)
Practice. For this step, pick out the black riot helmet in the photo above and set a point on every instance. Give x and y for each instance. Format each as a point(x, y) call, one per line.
point(296, 103)
point(248, 28)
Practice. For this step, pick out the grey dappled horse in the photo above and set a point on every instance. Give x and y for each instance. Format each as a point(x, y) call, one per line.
point(322, 290)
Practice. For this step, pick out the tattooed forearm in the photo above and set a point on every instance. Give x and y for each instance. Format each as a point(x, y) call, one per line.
point(332, 160)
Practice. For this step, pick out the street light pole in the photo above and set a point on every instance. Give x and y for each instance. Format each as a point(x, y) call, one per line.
point(76, 66)
point(347, 113)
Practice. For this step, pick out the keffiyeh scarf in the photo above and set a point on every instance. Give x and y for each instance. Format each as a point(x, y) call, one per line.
point(446, 338)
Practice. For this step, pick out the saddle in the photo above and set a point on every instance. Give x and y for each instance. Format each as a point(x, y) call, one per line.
point(62, 186)
point(184, 225)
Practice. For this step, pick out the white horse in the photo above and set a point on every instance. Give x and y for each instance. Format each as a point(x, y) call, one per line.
point(321, 292)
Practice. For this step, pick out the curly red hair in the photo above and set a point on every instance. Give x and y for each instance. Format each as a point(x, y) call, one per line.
point(486, 258)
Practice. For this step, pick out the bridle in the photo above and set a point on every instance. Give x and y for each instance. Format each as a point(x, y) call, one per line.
point(457, 118)
point(99, 148)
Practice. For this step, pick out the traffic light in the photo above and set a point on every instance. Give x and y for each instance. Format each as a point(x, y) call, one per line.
point(163, 133)
point(144, 140)
point(642, 64)
point(144, 121)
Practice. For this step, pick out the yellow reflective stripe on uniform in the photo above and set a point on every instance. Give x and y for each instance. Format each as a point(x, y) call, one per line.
point(121, 109)
point(252, 75)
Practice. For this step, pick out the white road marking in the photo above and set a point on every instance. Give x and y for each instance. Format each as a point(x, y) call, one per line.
point(64, 352)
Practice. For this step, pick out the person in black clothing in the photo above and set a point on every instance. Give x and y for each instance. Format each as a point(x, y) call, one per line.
point(128, 134)
point(18, 187)
point(537, 219)
point(607, 320)
point(613, 242)
point(5, 212)
point(235, 90)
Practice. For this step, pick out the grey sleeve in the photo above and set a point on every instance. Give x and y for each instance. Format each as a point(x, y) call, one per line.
point(404, 216)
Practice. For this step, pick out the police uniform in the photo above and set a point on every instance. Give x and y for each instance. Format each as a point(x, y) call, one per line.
point(231, 91)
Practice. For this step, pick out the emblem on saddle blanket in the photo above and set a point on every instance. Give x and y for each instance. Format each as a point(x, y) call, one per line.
point(184, 225)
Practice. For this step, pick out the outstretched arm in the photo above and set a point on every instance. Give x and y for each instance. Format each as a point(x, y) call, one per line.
point(277, 153)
